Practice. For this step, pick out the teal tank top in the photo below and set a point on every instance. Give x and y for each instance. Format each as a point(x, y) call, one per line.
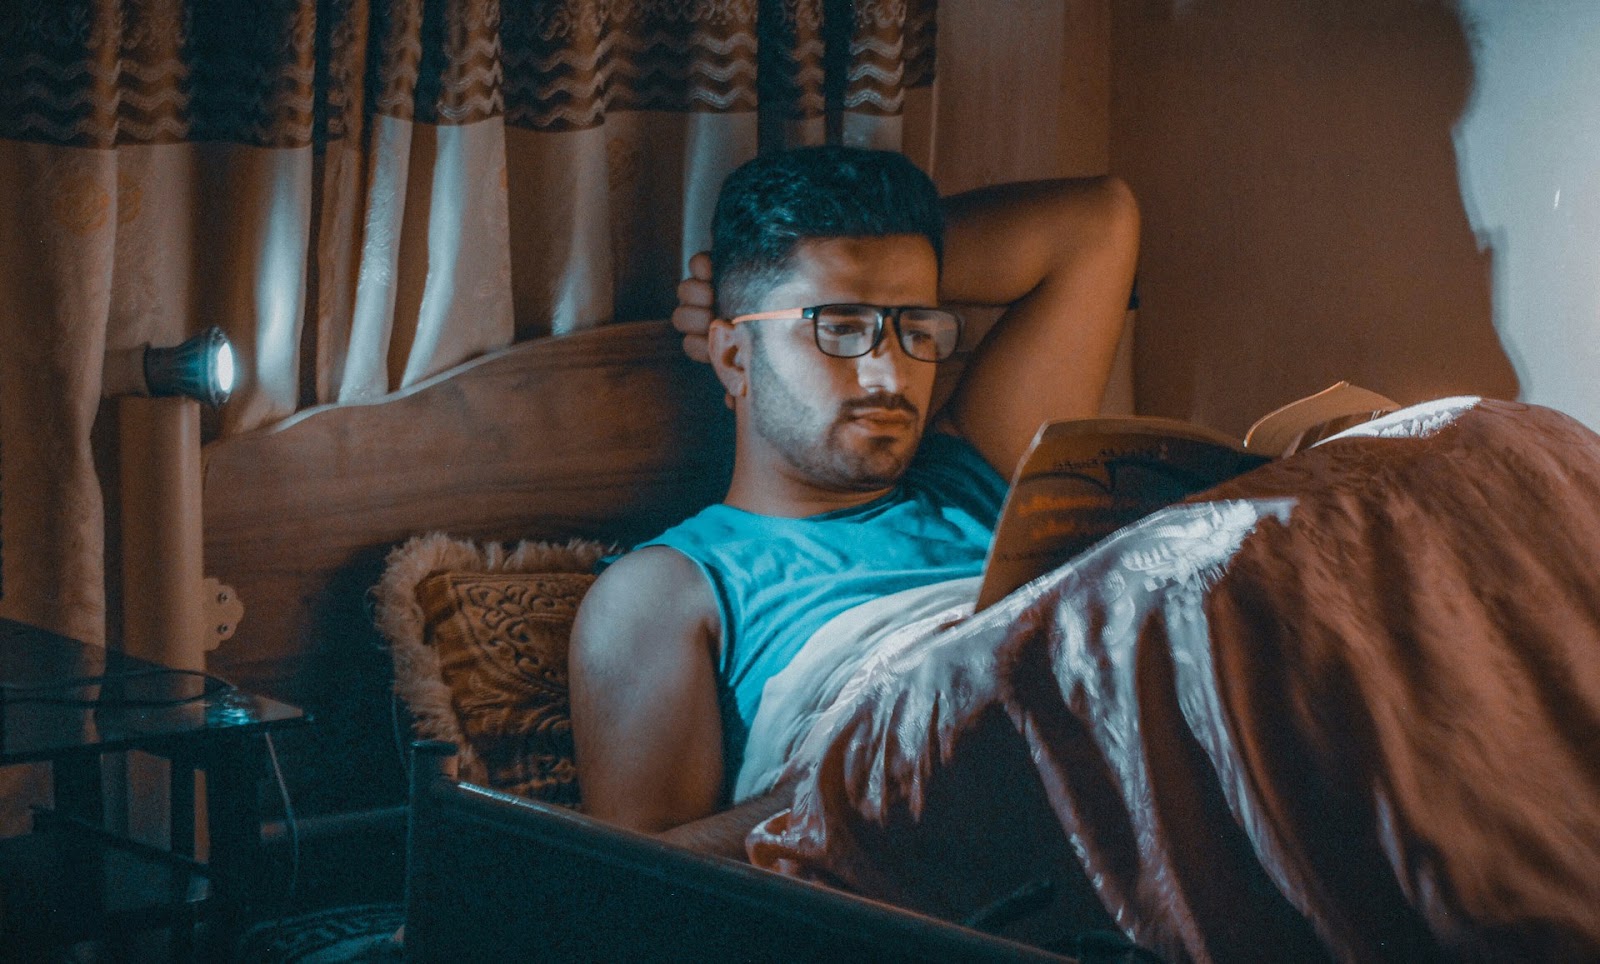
point(777, 580)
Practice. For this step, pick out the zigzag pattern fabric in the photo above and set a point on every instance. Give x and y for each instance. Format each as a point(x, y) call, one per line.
point(150, 72)
point(288, 73)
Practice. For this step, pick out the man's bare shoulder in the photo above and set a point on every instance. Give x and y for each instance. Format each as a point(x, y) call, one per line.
point(647, 596)
point(645, 718)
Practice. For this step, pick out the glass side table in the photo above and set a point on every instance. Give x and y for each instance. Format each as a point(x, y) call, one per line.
point(69, 704)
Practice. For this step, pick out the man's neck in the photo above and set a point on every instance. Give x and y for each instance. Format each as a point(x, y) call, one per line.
point(779, 494)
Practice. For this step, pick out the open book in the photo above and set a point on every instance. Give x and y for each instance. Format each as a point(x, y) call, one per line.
point(1084, 478)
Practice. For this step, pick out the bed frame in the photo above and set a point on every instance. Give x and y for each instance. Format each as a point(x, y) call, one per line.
point(611, 433)
point(492, 877)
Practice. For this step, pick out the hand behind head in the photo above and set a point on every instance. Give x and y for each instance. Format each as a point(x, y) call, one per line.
point(692, 317)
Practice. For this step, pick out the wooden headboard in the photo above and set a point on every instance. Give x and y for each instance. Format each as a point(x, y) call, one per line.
point(611, 433)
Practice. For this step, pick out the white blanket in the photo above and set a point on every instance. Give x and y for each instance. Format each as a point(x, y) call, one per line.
point(844, 649)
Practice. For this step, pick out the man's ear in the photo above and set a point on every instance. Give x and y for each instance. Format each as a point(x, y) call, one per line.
point(729, 348)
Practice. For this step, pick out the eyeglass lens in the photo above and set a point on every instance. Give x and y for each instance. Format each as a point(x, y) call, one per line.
point(848, 331)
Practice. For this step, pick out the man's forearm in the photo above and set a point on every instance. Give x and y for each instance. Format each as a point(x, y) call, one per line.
point(1061, 255)
point(723, 834)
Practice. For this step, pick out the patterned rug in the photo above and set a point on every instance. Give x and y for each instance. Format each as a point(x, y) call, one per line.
point(363, 932)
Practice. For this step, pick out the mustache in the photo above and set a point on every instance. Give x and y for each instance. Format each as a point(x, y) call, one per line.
point(888, 401)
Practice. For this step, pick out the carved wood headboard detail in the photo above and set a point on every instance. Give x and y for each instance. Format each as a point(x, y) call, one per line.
point(611, 433)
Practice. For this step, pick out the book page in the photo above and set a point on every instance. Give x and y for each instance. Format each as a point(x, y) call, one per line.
point(1083, 479)
point(1304, 422)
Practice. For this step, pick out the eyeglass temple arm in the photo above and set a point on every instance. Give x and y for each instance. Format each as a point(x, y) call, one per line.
point(765, 315)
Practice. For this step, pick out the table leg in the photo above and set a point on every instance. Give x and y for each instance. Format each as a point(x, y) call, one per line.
point(78, 791)
point(233, 814)
point(77, 788)
point(181, 820)
point(180, 797)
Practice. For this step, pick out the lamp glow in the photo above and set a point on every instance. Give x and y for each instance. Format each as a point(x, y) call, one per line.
point(225, 368)
point(201, 368)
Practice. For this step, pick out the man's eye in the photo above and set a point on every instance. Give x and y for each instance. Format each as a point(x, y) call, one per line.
point(838, 329)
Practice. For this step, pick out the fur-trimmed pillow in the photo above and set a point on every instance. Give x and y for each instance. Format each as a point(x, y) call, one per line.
point(479, 636)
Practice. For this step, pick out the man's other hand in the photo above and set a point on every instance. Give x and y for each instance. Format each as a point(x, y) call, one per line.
point(692, 317)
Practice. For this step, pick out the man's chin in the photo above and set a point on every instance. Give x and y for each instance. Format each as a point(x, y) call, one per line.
point(879, 467)
point(868, 481)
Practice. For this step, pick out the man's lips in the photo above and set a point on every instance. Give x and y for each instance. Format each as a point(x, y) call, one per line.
point(882, 417)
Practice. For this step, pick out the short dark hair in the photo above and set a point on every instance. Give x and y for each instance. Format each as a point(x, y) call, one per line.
point(770, 205)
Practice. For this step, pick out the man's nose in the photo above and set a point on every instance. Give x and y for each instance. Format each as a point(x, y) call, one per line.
point(884, 367)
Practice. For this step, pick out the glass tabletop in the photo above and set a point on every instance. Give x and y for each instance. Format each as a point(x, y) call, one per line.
point(59, 696)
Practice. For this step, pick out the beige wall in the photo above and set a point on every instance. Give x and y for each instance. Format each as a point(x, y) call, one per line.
point(1023, 91)
point(1303, 217)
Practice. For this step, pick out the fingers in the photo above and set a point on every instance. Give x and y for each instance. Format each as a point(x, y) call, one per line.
point(695, 303)
point(691, 319)
point(700, 266)
point(695, 293)
point(693, 322)
point(696, 348)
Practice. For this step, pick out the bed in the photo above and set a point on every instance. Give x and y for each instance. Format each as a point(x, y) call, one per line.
point(1193, 789)
point(610, 435)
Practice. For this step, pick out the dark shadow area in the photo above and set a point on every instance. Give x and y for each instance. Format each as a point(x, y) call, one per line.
point(1303, 218)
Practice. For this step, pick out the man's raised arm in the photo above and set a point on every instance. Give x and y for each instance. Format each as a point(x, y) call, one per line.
point(1061, 254)
point(645, 721)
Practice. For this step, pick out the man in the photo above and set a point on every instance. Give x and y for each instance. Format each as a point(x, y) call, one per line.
point(828, 266)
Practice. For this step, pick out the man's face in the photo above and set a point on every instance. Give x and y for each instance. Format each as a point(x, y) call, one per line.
point(850, 424)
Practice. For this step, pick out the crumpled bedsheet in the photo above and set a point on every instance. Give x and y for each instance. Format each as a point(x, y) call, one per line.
point(1345, 706)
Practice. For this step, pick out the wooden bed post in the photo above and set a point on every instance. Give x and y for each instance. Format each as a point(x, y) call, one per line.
point(431, 761)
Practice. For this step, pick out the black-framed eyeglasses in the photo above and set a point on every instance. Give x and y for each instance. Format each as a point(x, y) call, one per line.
point(850, 331)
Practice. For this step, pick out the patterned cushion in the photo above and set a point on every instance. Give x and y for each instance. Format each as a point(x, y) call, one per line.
point(479, 638)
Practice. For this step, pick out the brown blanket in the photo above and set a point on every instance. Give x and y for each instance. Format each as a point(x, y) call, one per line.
point(1347, 705)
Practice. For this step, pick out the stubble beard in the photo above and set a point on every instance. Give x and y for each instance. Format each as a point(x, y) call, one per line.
point(825, 458)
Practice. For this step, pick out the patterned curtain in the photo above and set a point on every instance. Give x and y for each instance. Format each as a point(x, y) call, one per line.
point(366, 192)
point(363, 193)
